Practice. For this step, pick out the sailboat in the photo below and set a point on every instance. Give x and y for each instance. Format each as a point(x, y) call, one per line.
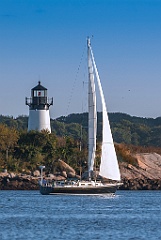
point(109, 168)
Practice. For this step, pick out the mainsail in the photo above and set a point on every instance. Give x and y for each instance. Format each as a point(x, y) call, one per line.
point(109, 165)
point(92, 115)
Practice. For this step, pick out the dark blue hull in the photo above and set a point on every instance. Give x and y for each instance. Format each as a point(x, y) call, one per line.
point(107, 189)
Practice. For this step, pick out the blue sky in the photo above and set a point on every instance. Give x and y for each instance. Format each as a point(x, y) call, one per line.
point(46, 39)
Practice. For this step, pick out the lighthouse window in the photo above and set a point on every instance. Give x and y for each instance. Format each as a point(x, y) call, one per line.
point(38, 93)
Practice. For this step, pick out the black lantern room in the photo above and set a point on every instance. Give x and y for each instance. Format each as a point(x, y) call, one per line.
point(39, 99)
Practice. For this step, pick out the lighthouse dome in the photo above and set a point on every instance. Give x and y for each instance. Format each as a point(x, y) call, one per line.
point(39, 87)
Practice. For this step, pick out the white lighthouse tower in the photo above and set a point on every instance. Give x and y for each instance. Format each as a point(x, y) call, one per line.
point(39, 104)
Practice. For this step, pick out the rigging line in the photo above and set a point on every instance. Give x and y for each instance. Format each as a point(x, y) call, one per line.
point(72, 90)
point(83, 97)
point(82, 109)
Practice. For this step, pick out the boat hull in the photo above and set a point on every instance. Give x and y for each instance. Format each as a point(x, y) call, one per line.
point(107, 189)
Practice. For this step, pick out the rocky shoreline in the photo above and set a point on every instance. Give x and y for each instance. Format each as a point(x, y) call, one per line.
point(31, 183)
point(18, 183)
point(145, 176)
point(141, 184)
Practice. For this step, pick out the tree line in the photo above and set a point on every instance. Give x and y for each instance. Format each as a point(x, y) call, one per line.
point(125, 128)
point(22, 151)
point(26, 151)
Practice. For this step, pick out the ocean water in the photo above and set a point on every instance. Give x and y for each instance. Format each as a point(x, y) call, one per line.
point(133, 215)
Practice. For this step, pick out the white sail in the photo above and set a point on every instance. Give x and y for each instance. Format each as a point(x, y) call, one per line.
point(109, 164)
point(92, 115)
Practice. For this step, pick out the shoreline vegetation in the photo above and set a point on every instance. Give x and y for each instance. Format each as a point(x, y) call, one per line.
point(137, 143)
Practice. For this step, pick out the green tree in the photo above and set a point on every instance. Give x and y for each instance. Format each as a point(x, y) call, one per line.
point(8, 140)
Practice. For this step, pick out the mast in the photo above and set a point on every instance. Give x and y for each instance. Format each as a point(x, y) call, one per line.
point(92, 114)
point(80, 149)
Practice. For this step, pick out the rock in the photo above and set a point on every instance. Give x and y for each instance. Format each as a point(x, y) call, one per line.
point(149, 166)
point(71, 175)
point(141, 184)
point(77, 176)
point(12, 175)
point(51, 176)
point(65, 167)
point(36, 173)
point(64, 174)
point(4, 174)
point(59, 178)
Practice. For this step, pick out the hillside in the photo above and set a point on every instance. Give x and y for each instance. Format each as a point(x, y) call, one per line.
point(125, 128)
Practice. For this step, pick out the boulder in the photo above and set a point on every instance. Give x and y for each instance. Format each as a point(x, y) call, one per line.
point(12, 175)
point(65, 167)
point(71, 175)
point(64, 174)
point(4, 174)
point(36, 173)
point(51, 176)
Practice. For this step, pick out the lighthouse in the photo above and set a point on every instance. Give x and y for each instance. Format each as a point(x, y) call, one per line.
point(39, 103)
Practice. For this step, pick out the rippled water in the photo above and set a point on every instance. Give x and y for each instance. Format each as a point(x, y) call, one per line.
point(130, 215)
